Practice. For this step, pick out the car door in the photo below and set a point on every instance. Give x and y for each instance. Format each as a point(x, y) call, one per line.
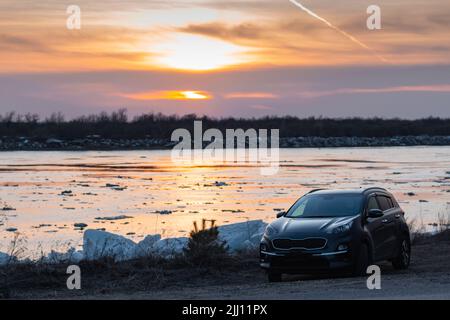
point(376, 228)
point(390, 225)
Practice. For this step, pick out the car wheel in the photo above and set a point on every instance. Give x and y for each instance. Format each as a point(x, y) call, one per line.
point(362, 261)
point(274, 276)
point(401, 261)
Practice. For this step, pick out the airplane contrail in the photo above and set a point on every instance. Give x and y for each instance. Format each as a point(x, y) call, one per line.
point(349, 36)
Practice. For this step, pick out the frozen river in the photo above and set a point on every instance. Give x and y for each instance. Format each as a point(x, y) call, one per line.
point(136, 193)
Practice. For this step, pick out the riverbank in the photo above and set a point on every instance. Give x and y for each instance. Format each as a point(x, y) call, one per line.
point(99, 143)
point(240, 278)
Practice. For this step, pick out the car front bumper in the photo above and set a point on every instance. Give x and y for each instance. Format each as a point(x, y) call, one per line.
point(303, 262)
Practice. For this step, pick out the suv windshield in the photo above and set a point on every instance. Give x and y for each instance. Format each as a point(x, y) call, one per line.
point(326, 205)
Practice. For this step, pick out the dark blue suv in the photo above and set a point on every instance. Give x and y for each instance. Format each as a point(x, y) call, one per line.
point(336, 229)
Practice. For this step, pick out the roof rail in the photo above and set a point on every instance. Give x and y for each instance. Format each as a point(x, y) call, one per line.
point(374, 188)
point(314, 190)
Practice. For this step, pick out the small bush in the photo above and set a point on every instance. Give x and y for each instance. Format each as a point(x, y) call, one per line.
point(205, 248)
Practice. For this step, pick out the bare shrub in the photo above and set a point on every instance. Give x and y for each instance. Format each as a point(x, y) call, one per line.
point(15, 251)
point(205, 248)
point(443, 221)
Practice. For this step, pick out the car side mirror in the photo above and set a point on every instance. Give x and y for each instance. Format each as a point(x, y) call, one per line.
point(281, 214)
point(375, 213)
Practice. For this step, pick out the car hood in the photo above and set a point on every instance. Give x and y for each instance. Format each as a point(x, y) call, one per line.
point(307, 227)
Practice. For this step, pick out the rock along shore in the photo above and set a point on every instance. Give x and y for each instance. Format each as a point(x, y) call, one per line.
point(100, 143)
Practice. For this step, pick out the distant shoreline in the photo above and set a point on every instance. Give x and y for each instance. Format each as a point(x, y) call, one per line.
point(108, 144)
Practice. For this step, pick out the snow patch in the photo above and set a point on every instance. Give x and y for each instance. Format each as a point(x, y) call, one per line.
point(146, 246)
point(242, 236)
point(5, 259)
point(99, 244)
point(71, 256)
point(170, 246)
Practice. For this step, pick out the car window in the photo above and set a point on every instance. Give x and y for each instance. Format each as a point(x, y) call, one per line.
point(394, 203)
point(372, 204)
point(390, 202)
point(326, 205)
point(385, 203)
point(299, 209)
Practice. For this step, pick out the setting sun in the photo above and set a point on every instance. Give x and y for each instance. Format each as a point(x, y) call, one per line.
point(191, 52)
point(168, 95)
point(194, 95)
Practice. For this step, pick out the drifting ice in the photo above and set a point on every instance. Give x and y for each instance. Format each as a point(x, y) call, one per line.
point(5, 259)
point(243, 235)
point(99, 244)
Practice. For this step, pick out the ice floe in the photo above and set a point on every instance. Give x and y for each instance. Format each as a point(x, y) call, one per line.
point(99, 244)
point(170, 246)
point(242, 235)
point(66, 193)
point(71, 256)
point(8, 208)
point(121, 217)
point(5, 258)
point(146, 246)
point(164, 212)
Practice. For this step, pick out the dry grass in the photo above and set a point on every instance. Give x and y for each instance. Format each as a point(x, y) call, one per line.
point(105, 275)
point(441, 229)
point(443, 221)
point(150, 273)
point(205, 261)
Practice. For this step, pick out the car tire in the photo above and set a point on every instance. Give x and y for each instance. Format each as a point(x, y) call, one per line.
point(361, 261)
point(403, 258)
point(274, 276)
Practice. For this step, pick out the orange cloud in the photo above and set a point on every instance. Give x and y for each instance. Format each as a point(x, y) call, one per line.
point(443, 88)
point(251, 95)
point(168, 95)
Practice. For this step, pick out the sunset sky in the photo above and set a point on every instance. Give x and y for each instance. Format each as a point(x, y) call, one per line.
point(226, 58)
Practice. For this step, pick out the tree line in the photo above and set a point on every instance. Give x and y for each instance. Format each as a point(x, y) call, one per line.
point(117, 125)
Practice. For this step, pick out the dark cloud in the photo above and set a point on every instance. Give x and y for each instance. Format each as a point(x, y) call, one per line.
point(227, 32)
point(265, 30)
point(11, 42)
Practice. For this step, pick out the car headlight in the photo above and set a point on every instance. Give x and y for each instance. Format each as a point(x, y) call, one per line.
point(270, 231)
point(342, 228)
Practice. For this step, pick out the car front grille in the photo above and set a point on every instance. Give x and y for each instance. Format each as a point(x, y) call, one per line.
point(300, 263)
point(308, 243)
